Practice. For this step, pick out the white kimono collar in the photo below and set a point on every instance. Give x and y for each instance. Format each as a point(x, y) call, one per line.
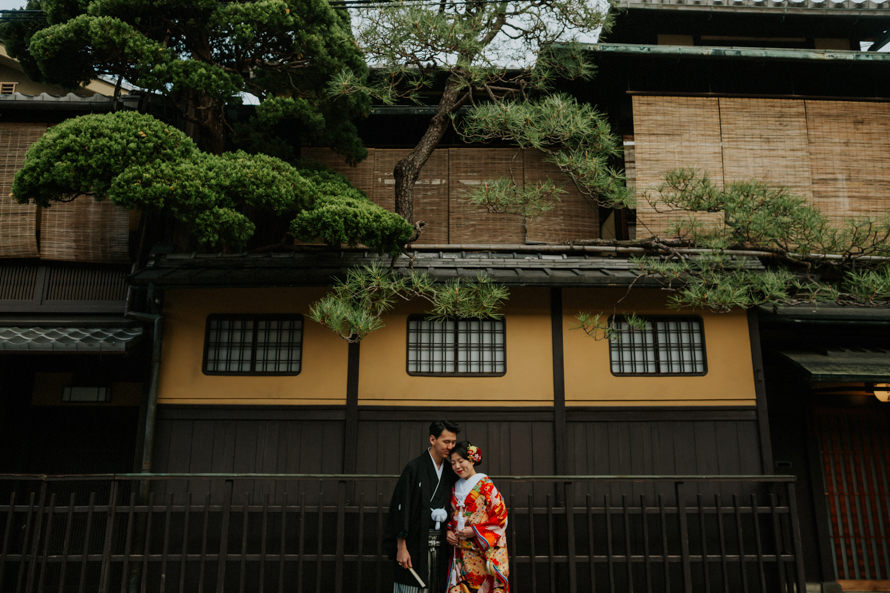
point(464, 486)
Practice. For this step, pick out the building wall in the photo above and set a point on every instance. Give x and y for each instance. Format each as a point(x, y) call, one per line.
point(383, 378)
point(322, 380)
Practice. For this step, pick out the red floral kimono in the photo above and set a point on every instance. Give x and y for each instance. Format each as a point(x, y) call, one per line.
point(480, 564)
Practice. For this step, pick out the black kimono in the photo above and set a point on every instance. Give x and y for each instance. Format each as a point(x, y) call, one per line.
point(417, 492)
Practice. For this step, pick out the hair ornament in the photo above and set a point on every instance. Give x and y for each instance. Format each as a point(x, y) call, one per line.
point(474, 454)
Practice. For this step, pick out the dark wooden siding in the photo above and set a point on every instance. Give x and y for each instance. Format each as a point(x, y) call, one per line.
point(514, 441)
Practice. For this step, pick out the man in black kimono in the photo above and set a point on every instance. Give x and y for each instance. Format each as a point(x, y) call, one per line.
point(422, 495)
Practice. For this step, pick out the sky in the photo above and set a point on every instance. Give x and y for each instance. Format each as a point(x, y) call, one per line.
point(10, 4)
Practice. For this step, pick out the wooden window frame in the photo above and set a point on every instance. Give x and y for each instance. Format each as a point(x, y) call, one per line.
point(658, 350)
point(254, 345)
point(502, 330)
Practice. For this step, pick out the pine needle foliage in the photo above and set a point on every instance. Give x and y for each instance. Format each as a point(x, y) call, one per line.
point(137, 161)
point(573, 136)
point(355, 306)
point(802, 256)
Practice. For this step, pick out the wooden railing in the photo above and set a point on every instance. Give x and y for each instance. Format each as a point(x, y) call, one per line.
point(218, 532)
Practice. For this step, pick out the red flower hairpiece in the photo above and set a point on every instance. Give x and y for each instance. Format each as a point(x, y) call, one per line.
point(474, 454)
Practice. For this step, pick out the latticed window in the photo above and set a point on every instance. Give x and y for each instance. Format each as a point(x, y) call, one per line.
point(253, 345)
point(7, 88)
point(662, 346)
point(470, 347)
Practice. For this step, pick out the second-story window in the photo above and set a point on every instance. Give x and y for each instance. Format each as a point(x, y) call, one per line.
point(662, 346)
point(456, 347)
point(253, 345)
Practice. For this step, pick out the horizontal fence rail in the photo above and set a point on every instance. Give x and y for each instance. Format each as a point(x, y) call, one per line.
point(324, 532)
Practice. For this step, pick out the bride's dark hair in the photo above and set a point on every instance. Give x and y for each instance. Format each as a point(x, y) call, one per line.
point(468, 451)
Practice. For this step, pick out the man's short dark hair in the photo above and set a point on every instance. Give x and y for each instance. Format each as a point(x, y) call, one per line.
point(438, 426)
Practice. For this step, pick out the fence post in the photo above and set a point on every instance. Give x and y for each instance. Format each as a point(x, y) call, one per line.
point(684, 537)
point(795, 538)
point(570, 535)
point(224, 538)
point(341, 533)
point(109, 530)
point(35, 545)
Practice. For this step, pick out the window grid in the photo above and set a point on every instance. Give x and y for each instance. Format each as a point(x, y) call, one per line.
point(253, 345)
point(665, 346)
point(456, 347)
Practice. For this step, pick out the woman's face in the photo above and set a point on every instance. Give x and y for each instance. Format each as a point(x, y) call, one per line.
point(462, 467)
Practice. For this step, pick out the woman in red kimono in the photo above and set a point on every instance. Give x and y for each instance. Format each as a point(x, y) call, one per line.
point(477, 529)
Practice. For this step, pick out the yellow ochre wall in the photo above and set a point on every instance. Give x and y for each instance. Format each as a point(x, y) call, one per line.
point(322, 380)
point(383, 379)
point(589, 381)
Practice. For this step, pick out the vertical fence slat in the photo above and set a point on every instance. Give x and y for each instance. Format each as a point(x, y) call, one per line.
point(41, 579)
point(795, 537)
point(107, 540)
point(570, 536)
point(531, 541)
point(361, 537)
point(777, 538)
point(165, 544)
point(684, 537)
point(591, 550)
point(644, 521)
point(36, 516)
point(628, 538)
point(128, 540)
point(318, 548)
point(721, 531)
point(202, 563)
point(741, 540)
point(146, 540)
point(755, 515)
point(242, 564)
point(666, 566)
point(264, 532)
point(550, 543)
point(85, 551)
point(703, 541)
point(223, 556)
point(66, 543)
point(4, 549)
point(607, 516)
point(183, 558)
point(340, 530)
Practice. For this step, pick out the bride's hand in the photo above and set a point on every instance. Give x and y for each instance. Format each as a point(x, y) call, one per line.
point(452, 538)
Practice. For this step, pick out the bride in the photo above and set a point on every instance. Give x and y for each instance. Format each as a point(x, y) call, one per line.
point(477, 529)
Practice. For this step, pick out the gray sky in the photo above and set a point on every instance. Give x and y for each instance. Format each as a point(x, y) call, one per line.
point(8, 4)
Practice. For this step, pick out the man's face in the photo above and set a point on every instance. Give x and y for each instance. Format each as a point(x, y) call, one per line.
point(442, 445)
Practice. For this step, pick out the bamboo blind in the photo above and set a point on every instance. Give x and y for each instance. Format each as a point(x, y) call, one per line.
point(672, 132)
point(849, 144)
point(85, 230)
point(18, 222)
point(475, 224)
point(574, 217)
point(776, 152)
point(441, 194)
point(829, 152)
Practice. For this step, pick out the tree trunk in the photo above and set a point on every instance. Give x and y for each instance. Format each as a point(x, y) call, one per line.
point(407, 170)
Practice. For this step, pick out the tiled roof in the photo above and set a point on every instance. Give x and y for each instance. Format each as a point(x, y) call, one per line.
point(572, 267)
point(843, 365)
point(87, 340)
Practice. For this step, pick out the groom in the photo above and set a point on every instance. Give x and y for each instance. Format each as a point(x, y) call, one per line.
point(420, 499)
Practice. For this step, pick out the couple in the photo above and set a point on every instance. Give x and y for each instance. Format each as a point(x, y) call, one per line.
point(441, 503)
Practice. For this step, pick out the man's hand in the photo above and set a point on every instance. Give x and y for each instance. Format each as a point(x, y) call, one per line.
point(452, 538)
point(403, 557)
